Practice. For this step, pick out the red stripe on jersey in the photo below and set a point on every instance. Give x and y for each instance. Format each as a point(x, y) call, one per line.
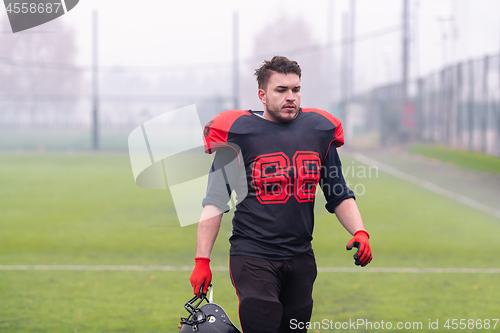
point(339, 131)
point(217, 130)
point(237, 292)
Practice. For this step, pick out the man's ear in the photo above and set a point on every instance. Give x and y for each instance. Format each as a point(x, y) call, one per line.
point(262, 96)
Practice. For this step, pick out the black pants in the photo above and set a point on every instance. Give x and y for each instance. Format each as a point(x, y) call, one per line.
point(273, 294)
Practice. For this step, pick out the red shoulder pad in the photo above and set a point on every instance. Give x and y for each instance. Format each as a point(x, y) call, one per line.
point(339, 131)
point(216, 130)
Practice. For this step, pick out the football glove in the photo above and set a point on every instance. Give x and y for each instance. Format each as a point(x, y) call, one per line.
point(363, 255)
point(201, 276)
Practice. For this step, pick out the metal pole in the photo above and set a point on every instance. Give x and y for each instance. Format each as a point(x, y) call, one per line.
point(352, 32)
point(416, 36)
point(437, 108)
point(402, 131)
point(497, 152)
point(405, 53)
point(447, 71)
point(95, 81)
point(236, 79)
point(458, 98)
point(454, 32)
point(452, 106)
point(329, 56)
point(425, 109)
point(498, 113)
point(471, 106)
point(344, 70)
point(420, 109)
point(485, 113)
point(441, 130)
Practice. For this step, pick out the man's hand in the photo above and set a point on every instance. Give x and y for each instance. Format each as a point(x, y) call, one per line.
point(201, 276)
point(363, 255)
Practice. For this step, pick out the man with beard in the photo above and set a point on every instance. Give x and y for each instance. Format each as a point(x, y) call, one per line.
point(286, 151)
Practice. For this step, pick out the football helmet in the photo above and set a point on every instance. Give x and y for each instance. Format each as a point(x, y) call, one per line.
point(210, 318)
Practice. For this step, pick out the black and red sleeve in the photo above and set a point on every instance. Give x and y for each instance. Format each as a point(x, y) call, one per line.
point(332, 181)
point(216, 131)
point(338, 132)
point(226, 174)
point(226, 171)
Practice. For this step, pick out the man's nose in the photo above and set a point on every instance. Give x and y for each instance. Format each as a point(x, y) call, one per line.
point(290, 96)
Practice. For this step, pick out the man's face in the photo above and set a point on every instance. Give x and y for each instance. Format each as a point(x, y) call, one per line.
point(281, 98)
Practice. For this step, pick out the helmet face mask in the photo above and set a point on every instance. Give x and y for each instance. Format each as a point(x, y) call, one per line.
point(210, 318)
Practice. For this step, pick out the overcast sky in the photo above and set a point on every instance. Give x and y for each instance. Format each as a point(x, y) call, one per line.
point(166, 33)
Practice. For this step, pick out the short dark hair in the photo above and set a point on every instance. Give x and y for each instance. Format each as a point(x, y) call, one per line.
point(277, 64)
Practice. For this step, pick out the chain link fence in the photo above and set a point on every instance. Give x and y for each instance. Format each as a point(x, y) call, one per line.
point(64, 123)
point(458, 106)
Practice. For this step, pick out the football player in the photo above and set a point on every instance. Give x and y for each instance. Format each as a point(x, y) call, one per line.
point(286, 152)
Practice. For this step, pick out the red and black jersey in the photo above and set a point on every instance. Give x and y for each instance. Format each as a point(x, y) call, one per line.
point(283, 164)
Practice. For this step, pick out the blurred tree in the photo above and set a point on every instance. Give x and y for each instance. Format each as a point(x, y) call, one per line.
point(292, 38)
point(39, 76)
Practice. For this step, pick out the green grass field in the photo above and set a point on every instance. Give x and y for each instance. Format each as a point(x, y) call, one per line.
point(68, 140)
point(86, 210)
point(462, 158)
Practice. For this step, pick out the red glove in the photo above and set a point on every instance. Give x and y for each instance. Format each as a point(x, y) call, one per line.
point(201, 276)
point(363, 255)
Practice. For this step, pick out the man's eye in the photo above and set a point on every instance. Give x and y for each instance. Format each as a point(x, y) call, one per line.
point(281, 90)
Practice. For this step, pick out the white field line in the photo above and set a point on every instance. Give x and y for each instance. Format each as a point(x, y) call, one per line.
point(99, 268)
point(222, 268)
point(407, 270)
point(427, 185)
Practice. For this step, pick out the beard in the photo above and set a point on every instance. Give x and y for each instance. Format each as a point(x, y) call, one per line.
point(282, 115)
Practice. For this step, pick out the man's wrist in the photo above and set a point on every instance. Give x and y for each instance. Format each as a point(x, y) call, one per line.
point(362, 231)
point(202, 259)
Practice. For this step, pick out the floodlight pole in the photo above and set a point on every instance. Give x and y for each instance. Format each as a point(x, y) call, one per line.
point(405, 53)
point(329, 55)
point(352, 47)
point(95, 87)
point(236, 79)
point(344, 84)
